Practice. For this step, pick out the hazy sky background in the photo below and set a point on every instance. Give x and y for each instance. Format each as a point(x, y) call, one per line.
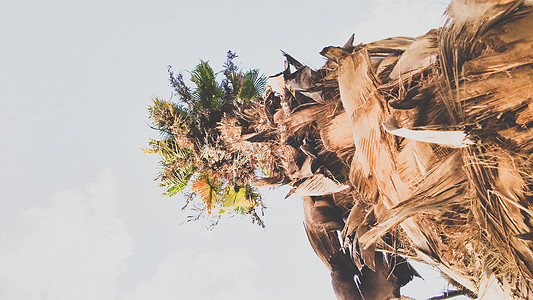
point(81, 216)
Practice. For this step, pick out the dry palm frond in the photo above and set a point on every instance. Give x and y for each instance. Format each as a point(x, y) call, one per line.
point(390, 45)
point(467, 22)
point(414, 160)
point(303, 117)
point(432, 135)
point(317, 185)
point(438, 192)
point(207, 188)
point(326, 244)
point(446, 138)
point(421, 54)
point(337, 135)
point(230, 133)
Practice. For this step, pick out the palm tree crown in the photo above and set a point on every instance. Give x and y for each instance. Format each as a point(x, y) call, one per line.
point(194, 158)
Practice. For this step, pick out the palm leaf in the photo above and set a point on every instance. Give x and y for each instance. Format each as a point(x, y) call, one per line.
point(234, 198)
point(253, 85)
point(169, 151)
point(207, 188)
point(241, 198)
point(180, 180)
point(207, 94)
point(236, 80)
point(167, 117)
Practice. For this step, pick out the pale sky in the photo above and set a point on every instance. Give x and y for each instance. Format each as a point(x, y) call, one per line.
point(81, 215)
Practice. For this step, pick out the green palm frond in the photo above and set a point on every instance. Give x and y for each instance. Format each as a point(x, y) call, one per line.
point(168, 150)
point(207, 94)
point(253, 85)
point(179, 181)
point(241, 199)
point(177, 166)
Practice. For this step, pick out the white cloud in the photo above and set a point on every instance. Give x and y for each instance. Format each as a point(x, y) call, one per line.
point(209, 274)
point(71, 248)
point(237, 260)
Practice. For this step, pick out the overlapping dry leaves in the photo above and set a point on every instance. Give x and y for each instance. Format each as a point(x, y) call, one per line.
point(411, 147)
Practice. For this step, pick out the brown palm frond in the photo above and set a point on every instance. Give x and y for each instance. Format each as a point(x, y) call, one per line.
point(207, 188)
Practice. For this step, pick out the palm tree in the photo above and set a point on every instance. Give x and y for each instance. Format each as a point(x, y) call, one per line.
point(437, 147)
point(401, 148)
point(436, 155)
